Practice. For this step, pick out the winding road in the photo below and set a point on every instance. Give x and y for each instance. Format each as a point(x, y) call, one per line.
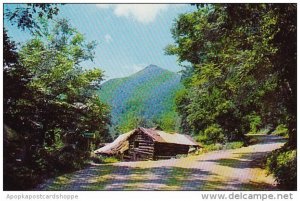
point(235, 169)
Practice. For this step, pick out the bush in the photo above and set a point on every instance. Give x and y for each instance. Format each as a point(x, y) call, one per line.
point(218, 146)
point(68, 161)
point(214, 134)
point(234, 145)
point(110, 160)
point(18, 177)
point(265, 130)
point(201, 138)
point(104, 159)
point(21, 174)
point(254, 122)
point(282, 164)
point(281, 130)
point(213, 147)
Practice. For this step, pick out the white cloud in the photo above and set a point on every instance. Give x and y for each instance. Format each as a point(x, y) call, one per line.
point(137, 67)
point(108, 38)
point(144, 13)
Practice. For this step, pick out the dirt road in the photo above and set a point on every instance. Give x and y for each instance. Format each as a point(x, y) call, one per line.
point(237, 169)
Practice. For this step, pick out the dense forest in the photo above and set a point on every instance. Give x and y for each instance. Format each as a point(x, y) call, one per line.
point(239, 77)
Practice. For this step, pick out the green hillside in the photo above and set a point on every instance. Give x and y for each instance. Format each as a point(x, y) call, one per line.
point(146, 98)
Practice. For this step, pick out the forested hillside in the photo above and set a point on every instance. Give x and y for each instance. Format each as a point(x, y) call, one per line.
point(146, 98)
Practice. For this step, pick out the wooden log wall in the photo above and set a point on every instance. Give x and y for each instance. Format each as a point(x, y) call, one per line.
point(141, 147)
point(167, 150)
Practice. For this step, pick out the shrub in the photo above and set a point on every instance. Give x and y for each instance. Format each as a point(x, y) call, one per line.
point(214, 134)
point(228, 145)
point(104, 159)
point(213, 147)
point(234, 145)
point(265, 130)
point(282, 164)
point(255, 122)
point(281, 130)
point(201, 138)
point(18, 177)
point(110, 160)
point(70, 158)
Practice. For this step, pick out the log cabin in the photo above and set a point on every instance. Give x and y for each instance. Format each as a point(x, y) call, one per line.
point(149, 144)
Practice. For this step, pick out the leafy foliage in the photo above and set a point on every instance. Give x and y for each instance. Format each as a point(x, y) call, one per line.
point(235, 81)
point(214, 134)
point(254, 122)
point(50, 102)
point(281, 130)
point(242, 74)
point(225, 146)
point(104, 159)
point(25, 15)
point(283, 164)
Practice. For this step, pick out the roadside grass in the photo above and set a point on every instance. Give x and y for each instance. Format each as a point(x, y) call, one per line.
point(218, 146)
point(60, 182)
point(137, 177)
point(110, 160)
point(281, 130)
point(104, 159)
point(102, 178)
point(175, 178)
point(215, 183)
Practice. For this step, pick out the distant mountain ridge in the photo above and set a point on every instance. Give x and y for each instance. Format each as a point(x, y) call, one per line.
point(148, 95)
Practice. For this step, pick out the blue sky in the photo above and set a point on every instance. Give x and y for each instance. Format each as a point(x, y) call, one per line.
point(129, 36)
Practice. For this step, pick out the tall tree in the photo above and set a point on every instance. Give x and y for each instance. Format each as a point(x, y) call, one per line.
point(51, 102)
point(64, 93)
point(235, 51)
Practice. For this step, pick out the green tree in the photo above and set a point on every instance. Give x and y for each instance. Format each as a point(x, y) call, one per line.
point(62, 89)
point(55, 104)
point(240, 55)
point(26, 16)
point(15, 78)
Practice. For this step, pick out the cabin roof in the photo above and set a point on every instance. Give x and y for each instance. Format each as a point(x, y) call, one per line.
point(175, 138)
point(121, 144)
point(117, 145)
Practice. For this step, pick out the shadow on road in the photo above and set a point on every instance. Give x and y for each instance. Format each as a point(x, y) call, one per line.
point(119, 178)
point(201, 176)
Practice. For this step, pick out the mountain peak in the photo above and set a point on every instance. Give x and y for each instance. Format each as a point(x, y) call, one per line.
point(152, 66)
point(147, 94)
point(150, 69)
